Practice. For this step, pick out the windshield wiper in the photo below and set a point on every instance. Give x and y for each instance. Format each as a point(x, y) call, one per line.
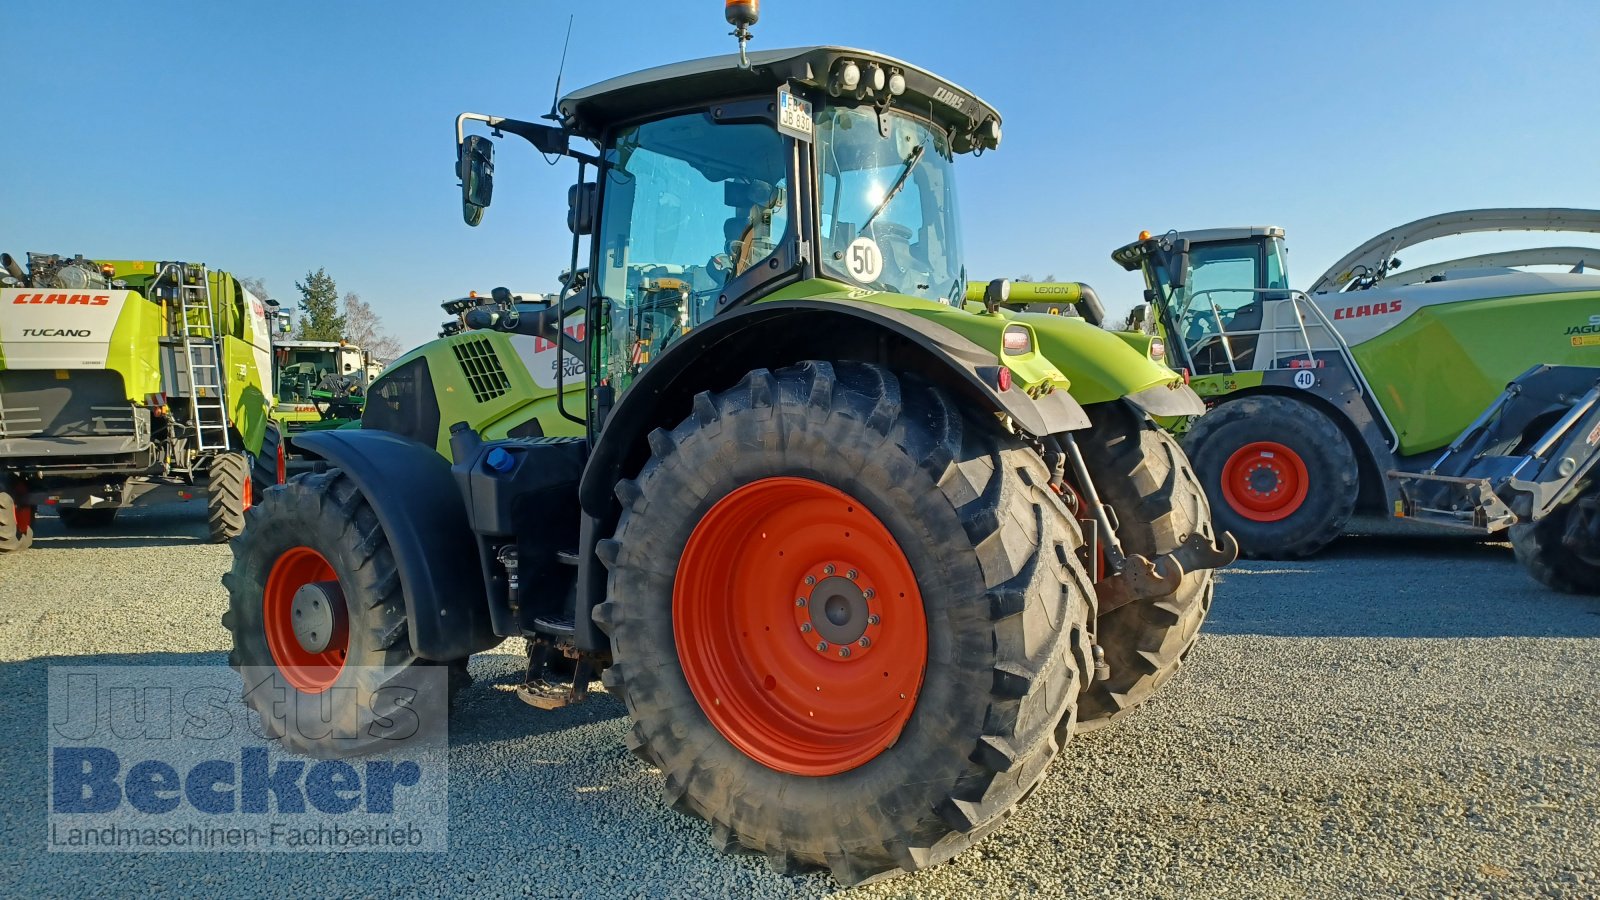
point(899, 182)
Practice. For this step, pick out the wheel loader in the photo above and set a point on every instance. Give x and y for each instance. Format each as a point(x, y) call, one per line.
point(126, 382)
point(1465, 394)
point(858, 561)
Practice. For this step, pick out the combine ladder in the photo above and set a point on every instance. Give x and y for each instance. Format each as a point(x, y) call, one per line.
point(202, 355)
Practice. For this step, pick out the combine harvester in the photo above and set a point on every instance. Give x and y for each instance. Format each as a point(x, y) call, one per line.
point(1465, 394)
point(859, 561)
point(126, 382)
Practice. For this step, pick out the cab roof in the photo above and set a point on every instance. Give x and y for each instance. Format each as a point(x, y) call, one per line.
point(1131, 256)
point(589, 111)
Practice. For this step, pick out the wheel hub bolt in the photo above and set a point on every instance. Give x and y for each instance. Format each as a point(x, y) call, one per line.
point(872, 620)
point(800, 601)
point(822, 646)
point(805, 627)
point(828, 569)
point(811, 579)
point(844, 652)
point(869, 593)
point(851, 574)
point(865, 642)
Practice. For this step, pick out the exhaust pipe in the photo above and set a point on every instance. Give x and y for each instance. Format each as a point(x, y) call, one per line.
point(9, 262)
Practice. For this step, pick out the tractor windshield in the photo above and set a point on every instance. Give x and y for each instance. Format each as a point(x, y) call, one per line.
point(888, 213)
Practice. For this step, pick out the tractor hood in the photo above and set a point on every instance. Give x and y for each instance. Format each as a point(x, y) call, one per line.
point(1093, 364)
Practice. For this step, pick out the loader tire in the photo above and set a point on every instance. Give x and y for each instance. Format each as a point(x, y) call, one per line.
point(929, 677)
point(99, 517)
point(267, 467)
point(1279, 474)
point(16, 523)
point(1142, 473)
point(319, 532)
point(228, 494)
point(1562, 550)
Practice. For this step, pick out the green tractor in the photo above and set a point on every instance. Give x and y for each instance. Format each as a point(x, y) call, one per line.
point(123, 383)
point(859, 562)
point(1464, 394)
point(318, 384)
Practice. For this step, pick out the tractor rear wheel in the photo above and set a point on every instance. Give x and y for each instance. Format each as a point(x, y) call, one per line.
point(1280, 475)
point(318, 616)
point(1562, 550)
point(848, 620)
point(16, 522)
point(1142, 473)
point(98, 517)
point(228, 495)
point(267, 467)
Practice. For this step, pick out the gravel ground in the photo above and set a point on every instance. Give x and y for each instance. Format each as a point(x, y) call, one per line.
point(1402, 716)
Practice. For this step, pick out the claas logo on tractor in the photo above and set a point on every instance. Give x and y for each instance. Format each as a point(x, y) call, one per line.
point(65, 299)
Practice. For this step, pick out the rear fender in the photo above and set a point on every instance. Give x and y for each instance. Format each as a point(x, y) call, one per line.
point(415, 497)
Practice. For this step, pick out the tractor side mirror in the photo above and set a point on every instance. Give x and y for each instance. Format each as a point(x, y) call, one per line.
point(580, 208)
point(475, 167)
point(1180, 271)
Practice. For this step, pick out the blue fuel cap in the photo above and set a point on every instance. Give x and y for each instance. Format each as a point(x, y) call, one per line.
point(500, 460)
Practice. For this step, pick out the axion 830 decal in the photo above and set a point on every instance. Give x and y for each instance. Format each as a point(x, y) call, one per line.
point(55, 329)
point(541, 357)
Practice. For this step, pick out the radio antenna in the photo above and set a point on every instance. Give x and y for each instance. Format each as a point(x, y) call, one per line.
point(555, 114)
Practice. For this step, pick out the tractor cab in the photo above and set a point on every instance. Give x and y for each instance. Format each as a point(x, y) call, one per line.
point(718, 182)
point(1207, 291)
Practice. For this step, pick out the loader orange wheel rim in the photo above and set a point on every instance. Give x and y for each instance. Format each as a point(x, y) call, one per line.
point(799, 626)
point(307, 671)
point(1265, 481)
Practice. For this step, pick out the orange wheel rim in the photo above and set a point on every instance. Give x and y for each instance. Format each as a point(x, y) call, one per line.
point(799, 626)
point(249, 492)
point(1265, 481)
point(307, 671)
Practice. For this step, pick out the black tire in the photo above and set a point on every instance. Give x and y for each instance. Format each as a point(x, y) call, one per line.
point(264, 466)
point(327, 513)
point(228, 494)
point(12, 538)
point(1005, 598)
point(1332, 483)
point(1142, 473)
point(99, 517)
point(1562, 550)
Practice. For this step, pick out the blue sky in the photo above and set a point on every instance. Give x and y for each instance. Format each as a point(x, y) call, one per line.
point(270, 139)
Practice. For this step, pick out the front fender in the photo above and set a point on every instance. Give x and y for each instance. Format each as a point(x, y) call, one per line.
point(415, 497)
point(1100, 364)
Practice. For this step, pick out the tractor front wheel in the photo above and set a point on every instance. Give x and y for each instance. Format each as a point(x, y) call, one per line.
point(1142, 473)
point(1280, 475)
point(848, 620)
point(16, 522)
point(318, 617)
point(1562, 550)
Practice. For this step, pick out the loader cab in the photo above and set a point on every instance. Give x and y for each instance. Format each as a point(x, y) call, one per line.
point(712, 186)
point(1203, 285)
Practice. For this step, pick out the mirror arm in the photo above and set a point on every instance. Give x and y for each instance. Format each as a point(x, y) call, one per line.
point(546, 138)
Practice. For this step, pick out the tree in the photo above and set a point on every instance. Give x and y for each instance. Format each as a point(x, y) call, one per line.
point(320, 319)
point(256, 286)
point(364, 328)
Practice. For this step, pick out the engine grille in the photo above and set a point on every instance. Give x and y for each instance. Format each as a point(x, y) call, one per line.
point(481, 366)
